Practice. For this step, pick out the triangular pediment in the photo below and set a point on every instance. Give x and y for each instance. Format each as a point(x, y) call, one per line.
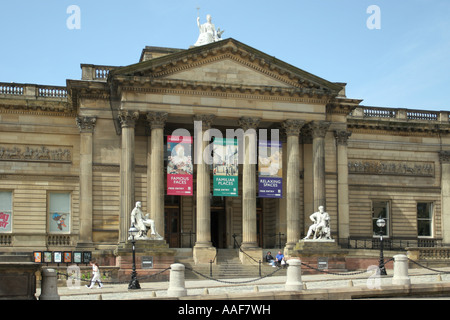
point(228, 71)
point(227, 63)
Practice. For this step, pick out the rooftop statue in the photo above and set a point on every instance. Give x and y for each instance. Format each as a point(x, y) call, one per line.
point(208, 33)
point(320, 226)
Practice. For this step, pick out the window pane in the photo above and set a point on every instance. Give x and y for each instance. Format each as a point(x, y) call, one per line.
point(380, 210)
point(424, 228)
point(59, 212)
point(60, 202)
point(424, 210)
point(5, 211)
point(6, 201)
point(424, 219)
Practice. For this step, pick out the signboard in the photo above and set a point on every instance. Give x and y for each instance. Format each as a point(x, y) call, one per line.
point(322, 263)
point(147, 262)
point(270, 174)
point(225, 167)
point(179, 167)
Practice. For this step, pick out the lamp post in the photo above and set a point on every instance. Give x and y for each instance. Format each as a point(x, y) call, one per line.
point(381, 223)
point(134, 283)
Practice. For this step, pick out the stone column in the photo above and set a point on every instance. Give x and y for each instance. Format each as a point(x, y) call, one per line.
point(203, 250)
point(249, 228)
point(319, 130)
point(342, 180)
point(86, 126)
point(292, 128)
point(128, 123)
point(157, 122)
point(444, 157)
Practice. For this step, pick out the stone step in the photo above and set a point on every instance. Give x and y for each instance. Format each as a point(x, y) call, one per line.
point(228, 265)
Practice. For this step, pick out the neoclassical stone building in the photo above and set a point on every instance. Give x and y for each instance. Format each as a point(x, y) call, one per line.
point(75, 159)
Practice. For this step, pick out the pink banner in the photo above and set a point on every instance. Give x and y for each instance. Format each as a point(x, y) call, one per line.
point(179, 166)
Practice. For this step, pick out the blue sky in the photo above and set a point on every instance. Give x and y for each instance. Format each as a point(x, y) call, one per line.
point(404, 64)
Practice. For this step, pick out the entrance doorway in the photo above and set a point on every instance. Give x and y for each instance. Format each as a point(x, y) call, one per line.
point(218, 228)
point(172, 227)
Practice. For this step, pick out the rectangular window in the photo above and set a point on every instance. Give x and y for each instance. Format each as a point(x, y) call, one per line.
point(424, 219)
point(5, 211)
point(380, 209)
point(59, 212)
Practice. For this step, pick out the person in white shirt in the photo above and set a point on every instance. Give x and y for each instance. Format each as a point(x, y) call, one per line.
point(95, 275)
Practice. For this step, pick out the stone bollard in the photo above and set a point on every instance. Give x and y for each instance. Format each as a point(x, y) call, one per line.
point(294, 276)
point(401, 271)
point(176, 284)
point(49, 285)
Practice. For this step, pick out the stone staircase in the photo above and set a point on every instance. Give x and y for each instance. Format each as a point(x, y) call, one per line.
point(228, 265)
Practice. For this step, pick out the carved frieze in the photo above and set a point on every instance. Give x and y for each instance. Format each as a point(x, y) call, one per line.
point(387, 167)
point(35, 153)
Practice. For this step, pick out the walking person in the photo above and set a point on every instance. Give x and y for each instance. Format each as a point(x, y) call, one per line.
point(95, 275)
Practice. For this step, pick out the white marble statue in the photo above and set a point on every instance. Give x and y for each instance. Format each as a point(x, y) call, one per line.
point(208, 33)
point(142, 222)
point(320, 226)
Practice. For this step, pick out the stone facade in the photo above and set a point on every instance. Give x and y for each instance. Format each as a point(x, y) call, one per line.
point(101, 140)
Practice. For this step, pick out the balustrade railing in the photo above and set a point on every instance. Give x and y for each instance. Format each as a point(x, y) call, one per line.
point(422, 115)
point(11, 89)
point(51, 92)
point(379, 112)
point(5, 240)
point(32, 90)
point(400, 244)
point(400, 114)
point(59, 240)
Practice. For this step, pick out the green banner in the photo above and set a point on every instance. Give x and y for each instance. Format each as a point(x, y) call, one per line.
point(225, 167)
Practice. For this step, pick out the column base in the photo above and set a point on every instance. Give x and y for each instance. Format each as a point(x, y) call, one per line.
point(203, 254)
point(289, 248)
point(250, 254)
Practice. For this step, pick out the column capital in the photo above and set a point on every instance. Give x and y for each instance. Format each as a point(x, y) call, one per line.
point(342, 137)
point(128, 118)
point(293, 127)
point(206, 119)
point(157, 120)
point(86, 124)
point(249, 123)
point(444, 157)
point(319, 128)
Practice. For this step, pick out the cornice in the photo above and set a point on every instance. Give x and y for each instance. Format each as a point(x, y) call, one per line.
point(196, 88)
point(399, 127)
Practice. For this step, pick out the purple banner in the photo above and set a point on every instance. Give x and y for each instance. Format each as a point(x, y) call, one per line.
point(270, 173)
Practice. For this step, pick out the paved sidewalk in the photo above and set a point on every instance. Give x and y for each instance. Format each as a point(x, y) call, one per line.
point(152, 290)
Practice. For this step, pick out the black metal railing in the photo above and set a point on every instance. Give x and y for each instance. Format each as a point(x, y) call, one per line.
point(391, 243)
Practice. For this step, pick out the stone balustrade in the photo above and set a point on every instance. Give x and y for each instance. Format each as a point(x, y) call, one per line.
point(429, 254)
point(32, 90)
point(400, 114)
point(96, 72)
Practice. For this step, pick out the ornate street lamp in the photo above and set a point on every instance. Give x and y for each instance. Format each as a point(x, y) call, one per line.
point(134, 283)
point(381, 223)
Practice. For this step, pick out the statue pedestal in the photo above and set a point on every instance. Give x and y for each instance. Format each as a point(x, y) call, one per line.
point(151, 257)
point(321, 254)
